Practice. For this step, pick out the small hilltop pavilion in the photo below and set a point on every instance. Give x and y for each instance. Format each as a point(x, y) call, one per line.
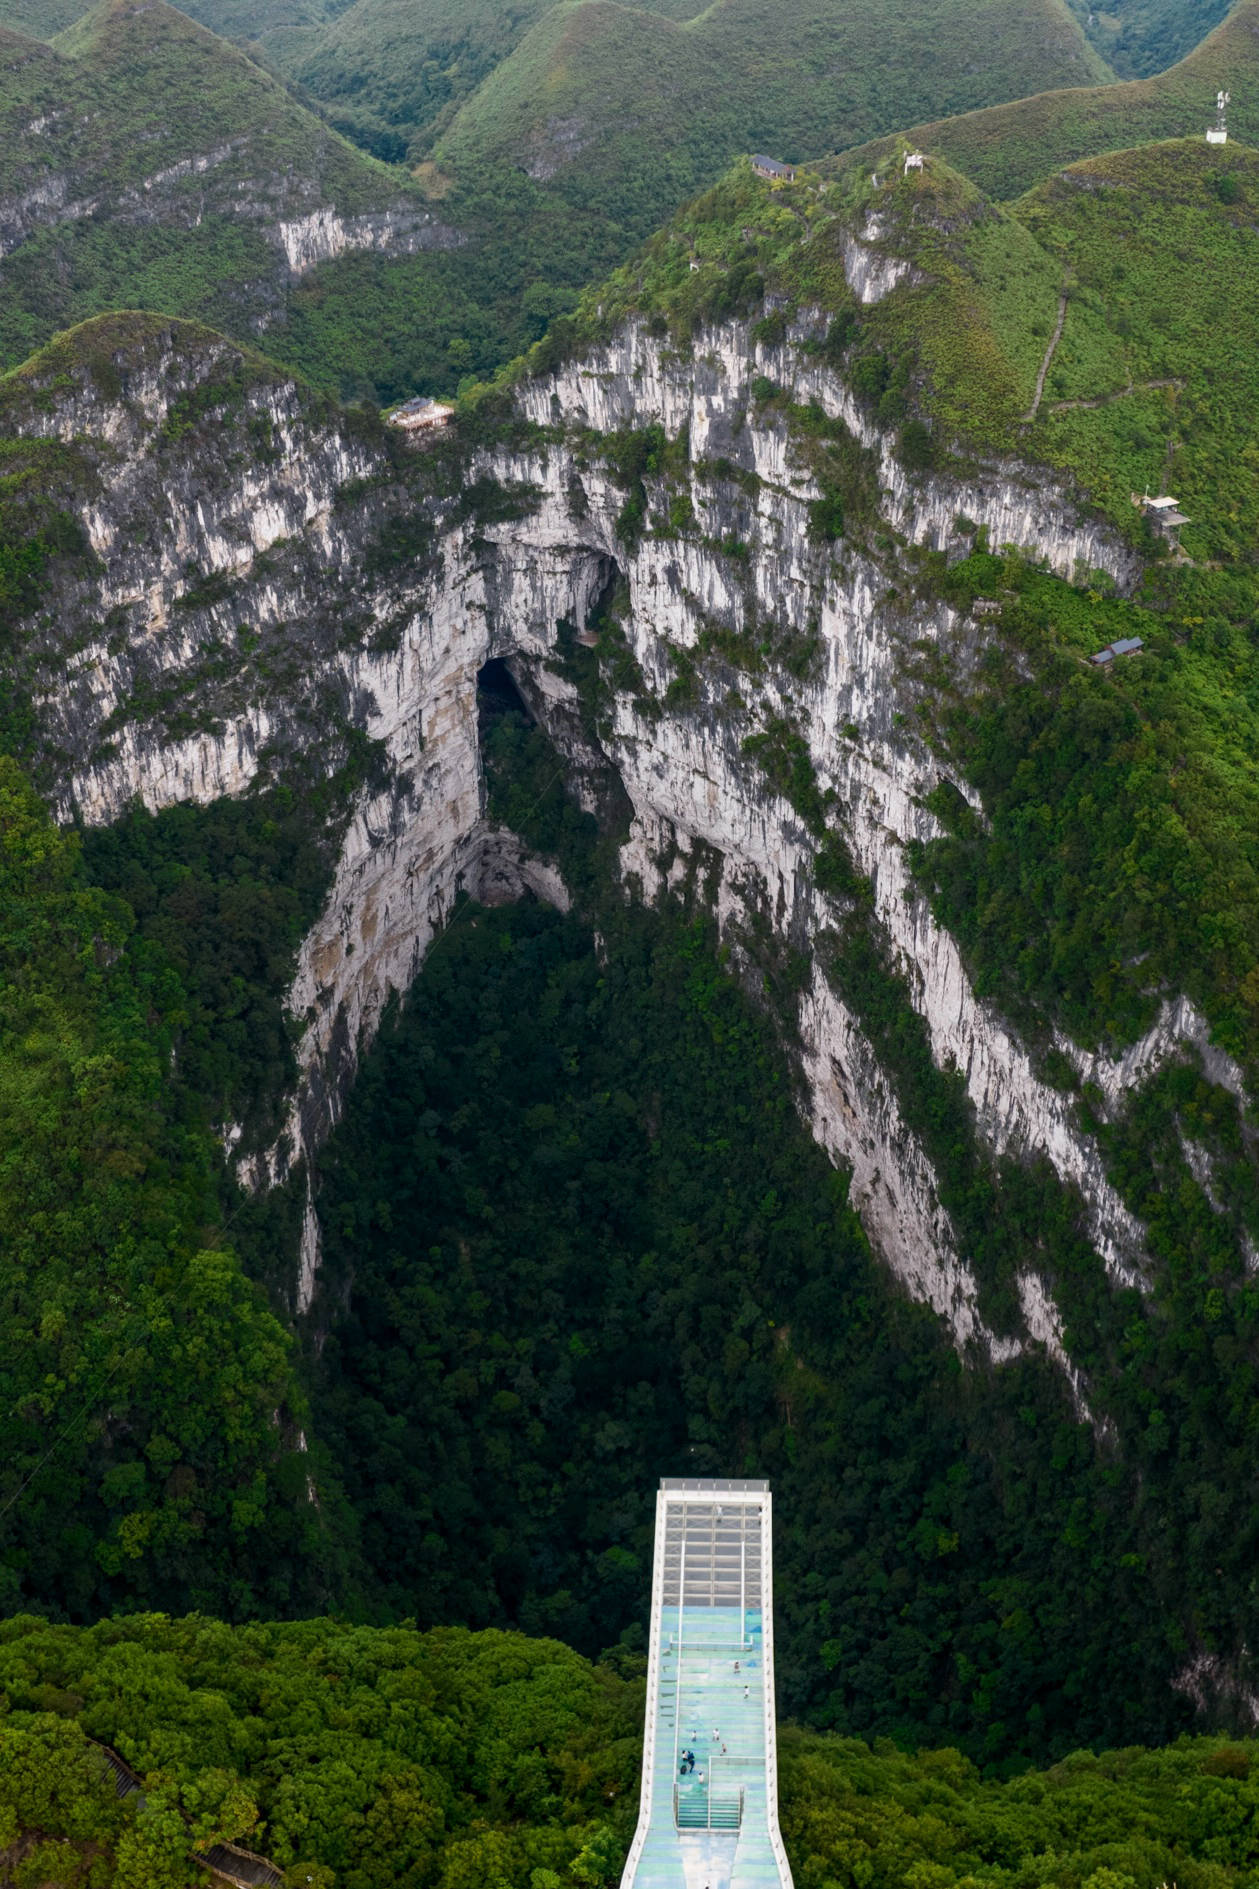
point(776, 173)
point(1163, 514)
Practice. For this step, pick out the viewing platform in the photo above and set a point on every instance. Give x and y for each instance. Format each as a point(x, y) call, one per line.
point(708, 1816)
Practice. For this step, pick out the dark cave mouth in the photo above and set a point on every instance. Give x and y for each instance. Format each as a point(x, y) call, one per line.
point(498, 695)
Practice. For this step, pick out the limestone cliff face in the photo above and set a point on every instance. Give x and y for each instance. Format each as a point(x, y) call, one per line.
point(324, 235)
point(302, 230)
point(239, 608)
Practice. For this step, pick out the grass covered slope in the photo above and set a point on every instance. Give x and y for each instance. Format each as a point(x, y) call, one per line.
point(404, 70)
point(626, 112)
point(242, 20)
point(100, 87)
point(352, 1757)
point(1007, 149)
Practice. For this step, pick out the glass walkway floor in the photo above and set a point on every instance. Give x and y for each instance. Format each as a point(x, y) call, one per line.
point(708, 1817)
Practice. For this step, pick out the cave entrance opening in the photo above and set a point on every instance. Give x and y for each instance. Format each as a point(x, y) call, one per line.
point(498, 694)
point(609, 596)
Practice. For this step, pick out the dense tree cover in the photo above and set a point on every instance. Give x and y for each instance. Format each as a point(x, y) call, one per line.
point(1118, 860)
point(349, 1756)
point(584, 1239)
point(148, 1425)
point(853, 1815)
point(222, 896)
point(406, 69)
point(354, 1756)
point(1138, 37)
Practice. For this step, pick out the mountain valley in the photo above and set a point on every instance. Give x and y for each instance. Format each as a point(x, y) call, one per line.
point(700, 917)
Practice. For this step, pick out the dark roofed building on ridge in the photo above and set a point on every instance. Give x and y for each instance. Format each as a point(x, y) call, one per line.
point(1122, 646)
point(776, 172)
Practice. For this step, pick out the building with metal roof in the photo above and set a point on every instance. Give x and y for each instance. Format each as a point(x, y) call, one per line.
point(1122, 646)
point(1163, 513)
point(776, 172)
point(708, 1813)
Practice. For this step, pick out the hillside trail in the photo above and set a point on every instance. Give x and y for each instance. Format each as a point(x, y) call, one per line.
point(1105, 400)
point(1056, 337)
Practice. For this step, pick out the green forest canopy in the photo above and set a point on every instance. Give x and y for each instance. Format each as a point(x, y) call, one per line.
point(354, 1756)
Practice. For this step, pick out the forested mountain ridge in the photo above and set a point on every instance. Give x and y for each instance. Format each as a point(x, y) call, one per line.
point(1006, 149)
point(152, 165)
point(771, 468)
point(146, 163)
point(616, 114)
point(738, 74)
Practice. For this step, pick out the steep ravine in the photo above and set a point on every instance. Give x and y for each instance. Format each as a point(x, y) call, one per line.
point(242, 607)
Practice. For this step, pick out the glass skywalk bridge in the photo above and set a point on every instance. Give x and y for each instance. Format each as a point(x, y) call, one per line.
point(708, 1817)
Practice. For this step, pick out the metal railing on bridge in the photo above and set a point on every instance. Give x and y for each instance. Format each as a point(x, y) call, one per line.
point(707, 1810)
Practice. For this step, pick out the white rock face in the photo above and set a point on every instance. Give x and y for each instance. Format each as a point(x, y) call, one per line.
point(325, 234)
point(1210, 1680)
point(637, 379)
point(872, 273)
point(1179, 1025)
point(501, 590)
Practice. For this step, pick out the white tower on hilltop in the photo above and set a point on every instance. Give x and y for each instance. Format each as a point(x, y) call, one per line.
point(1218, 132)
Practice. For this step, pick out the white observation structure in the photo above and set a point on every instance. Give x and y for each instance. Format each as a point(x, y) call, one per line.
point(708, 1816)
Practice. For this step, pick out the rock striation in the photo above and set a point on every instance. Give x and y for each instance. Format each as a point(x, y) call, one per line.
point(248, 602)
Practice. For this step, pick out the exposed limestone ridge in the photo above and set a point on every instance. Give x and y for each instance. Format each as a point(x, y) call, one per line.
point(323, 235)
point(637, 378)
point(190, 547)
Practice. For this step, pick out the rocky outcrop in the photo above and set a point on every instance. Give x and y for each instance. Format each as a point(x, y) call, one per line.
point(282, 543)
point(325, 235)
point(170, 195)
point(871, 271)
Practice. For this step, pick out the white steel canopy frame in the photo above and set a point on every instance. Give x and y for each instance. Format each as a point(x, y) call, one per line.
point(708, 1811)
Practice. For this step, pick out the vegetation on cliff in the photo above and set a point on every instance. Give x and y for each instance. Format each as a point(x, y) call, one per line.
point(586, 1240)
point(149, 1431)
point(1126, 288)
point(574, 1230)
point(147, 164)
